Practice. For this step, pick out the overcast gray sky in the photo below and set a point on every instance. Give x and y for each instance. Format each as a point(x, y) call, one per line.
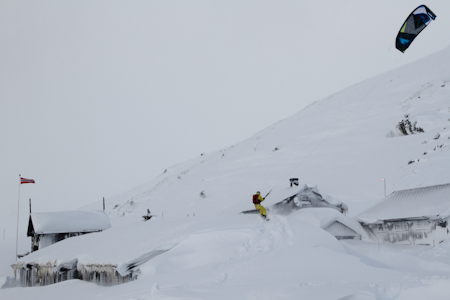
point(97, 97)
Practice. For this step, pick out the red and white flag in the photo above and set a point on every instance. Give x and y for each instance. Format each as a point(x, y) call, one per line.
point(24, 180)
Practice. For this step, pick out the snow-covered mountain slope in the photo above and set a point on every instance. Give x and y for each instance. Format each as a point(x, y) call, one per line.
point(345, 144)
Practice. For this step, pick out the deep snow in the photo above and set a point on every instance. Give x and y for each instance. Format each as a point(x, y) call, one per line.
point(345, 143)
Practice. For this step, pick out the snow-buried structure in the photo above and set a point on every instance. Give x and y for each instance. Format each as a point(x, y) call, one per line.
point(43, 268)
point(330, 211)
point(48, 228)
point(309, 196)
point(337, 224)
point(414, 217)
point(306, 197)
point(41, 274)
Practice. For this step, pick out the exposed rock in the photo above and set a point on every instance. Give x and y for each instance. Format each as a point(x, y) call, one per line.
point(406, 128)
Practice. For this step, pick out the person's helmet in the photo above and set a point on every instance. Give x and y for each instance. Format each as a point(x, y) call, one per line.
point(258, 192)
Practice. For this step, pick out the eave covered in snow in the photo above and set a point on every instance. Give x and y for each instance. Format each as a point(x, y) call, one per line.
point(337, 224)
point(431, 202)
point(68, 222)
point(48, 228)
point(106, 274)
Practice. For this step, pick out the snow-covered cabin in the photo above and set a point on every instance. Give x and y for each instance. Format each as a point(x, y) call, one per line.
point(309, 196)
point(306, 197)
point(415, 217)
point(335, 223)
point(48, 228)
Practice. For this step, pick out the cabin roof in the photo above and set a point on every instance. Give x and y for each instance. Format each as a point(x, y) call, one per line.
point(425, 202)
point(68, 221)
point(328, 216)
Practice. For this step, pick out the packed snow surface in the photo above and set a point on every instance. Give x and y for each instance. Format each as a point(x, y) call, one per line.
point(345, 143)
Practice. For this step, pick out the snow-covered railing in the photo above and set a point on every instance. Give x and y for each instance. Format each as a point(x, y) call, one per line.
point(32, 274)
point(105, 274)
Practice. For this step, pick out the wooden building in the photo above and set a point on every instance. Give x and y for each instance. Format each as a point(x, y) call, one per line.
point(48, 228)
point(414, 217)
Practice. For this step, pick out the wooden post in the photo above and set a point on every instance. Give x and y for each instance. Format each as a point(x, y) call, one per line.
point(103, 203)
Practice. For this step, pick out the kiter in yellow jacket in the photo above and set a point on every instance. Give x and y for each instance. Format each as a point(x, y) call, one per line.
point(257, 199)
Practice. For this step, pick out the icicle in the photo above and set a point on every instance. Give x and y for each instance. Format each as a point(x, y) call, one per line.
point(46, 273)
point(18, 268)
point(102, 274)
point(155, 289)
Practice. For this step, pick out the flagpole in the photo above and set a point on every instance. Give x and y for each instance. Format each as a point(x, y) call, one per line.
point(18, 206)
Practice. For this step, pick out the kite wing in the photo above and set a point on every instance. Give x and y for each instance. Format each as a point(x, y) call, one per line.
point(414, 24)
